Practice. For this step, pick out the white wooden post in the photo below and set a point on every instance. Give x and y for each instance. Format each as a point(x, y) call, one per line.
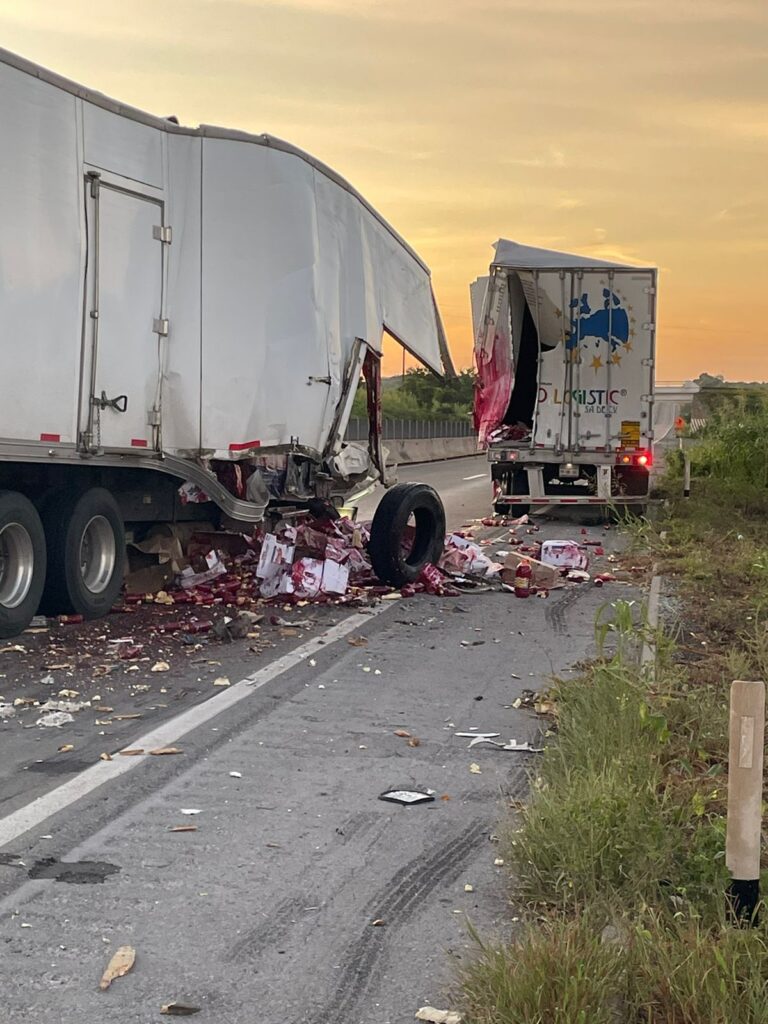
point(745, 796)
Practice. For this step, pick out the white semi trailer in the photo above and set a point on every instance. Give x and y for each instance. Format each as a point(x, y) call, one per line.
point(564, 349)
point(179, 306)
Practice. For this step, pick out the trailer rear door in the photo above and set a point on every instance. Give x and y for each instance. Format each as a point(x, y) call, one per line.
point(595, 364)
point(123, 313)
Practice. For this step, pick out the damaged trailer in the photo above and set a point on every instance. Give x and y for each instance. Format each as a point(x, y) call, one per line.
point(564, 349)
point(185, 314)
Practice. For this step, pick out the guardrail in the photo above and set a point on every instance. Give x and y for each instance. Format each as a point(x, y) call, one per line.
point(410, 430)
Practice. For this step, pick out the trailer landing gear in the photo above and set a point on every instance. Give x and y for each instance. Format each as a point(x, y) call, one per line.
point(22, 562)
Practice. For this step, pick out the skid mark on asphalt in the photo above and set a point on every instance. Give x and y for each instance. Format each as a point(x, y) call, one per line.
point(395, 903)
point(271, 932)
point(557, 611)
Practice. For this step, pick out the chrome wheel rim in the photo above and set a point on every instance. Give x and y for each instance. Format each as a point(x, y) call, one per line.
point(97, 554)
point(17, 564)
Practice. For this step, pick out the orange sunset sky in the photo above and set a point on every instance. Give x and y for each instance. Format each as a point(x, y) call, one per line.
point(632, 129)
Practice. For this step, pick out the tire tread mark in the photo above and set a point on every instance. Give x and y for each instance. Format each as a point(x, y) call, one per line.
point(395, 903)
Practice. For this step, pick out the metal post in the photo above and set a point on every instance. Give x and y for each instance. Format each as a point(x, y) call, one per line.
point(745, 795)
point(686, 475)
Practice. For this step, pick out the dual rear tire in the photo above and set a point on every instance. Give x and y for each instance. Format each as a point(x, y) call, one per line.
point(66, 558)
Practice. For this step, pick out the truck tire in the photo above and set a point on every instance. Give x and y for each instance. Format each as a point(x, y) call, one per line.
point(86, 554)
point(22, 562)
point(391, 562)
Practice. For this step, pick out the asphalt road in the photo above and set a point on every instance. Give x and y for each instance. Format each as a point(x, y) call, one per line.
point(463, 484)
point(266, 911)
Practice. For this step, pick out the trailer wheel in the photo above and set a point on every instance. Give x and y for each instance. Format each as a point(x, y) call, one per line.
point(395, 560)
point(86, 553)
point(22, 562)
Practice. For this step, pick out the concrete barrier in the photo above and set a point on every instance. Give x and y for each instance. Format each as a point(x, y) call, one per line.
point(429, 449)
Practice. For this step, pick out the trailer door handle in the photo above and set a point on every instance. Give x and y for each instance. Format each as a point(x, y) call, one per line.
point(119, 404)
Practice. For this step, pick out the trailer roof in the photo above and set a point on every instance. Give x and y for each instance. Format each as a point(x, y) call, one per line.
point(204, 130)
point(527, 257)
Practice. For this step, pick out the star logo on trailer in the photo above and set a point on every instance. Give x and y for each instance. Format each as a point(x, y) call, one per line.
point(607, 323)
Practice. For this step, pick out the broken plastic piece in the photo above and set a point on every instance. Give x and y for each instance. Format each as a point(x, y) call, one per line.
point(407, 796)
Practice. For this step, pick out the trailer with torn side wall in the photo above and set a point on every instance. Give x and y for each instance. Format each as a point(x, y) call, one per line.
point(185, 314)
point(564, 349)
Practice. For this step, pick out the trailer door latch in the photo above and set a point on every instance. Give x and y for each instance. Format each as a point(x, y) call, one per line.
point(119, 404)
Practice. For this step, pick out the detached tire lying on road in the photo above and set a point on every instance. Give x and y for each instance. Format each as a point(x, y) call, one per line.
point(22, 562)
point(393, 561)
point(86, 553)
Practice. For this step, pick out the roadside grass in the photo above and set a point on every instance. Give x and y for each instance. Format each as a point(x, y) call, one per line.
point(625, 829)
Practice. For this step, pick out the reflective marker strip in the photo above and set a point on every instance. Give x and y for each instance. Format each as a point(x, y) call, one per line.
point(50, 437)
point(138, 442)
point(244, 446)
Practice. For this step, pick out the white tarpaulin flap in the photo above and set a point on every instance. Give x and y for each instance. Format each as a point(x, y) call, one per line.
point(528, 257)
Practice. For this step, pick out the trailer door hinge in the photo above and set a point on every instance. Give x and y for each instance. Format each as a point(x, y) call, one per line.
point(161, 327)
point(163, 233)
point(153, 417)
point(319, 380)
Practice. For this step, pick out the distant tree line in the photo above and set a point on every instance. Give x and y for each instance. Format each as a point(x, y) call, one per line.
point(420, 395)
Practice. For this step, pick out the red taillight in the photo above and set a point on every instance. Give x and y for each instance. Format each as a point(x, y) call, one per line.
point(642, 458)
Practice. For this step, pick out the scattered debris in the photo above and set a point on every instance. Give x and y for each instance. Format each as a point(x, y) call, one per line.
point(161, 751)
point(564, 554)
point(55, 719)
point(499, 862)
point(179, 1010)
point(469, 888)
point(378, 923)
point(6, 711)
point(407, 796)
point(357, 641)
point(161, 666)
point(105, 756)
point(183, 828)
point(66, 748)
point(433, 1016)
point(118, 966)
point(132, 752)
point(403, 734)
point(475, 769)
point(191, 810)
point(236, 775)
point(414, 741)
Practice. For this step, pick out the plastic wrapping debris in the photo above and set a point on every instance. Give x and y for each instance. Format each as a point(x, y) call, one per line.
point(564, 554)
point(6, 711)
point(462, 555)
point(67, 706)
point(191, 494)
point(407, 797)
point(433, 1016)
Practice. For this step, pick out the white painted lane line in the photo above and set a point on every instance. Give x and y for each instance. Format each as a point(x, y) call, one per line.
point(34, 813)
point(477, 476)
